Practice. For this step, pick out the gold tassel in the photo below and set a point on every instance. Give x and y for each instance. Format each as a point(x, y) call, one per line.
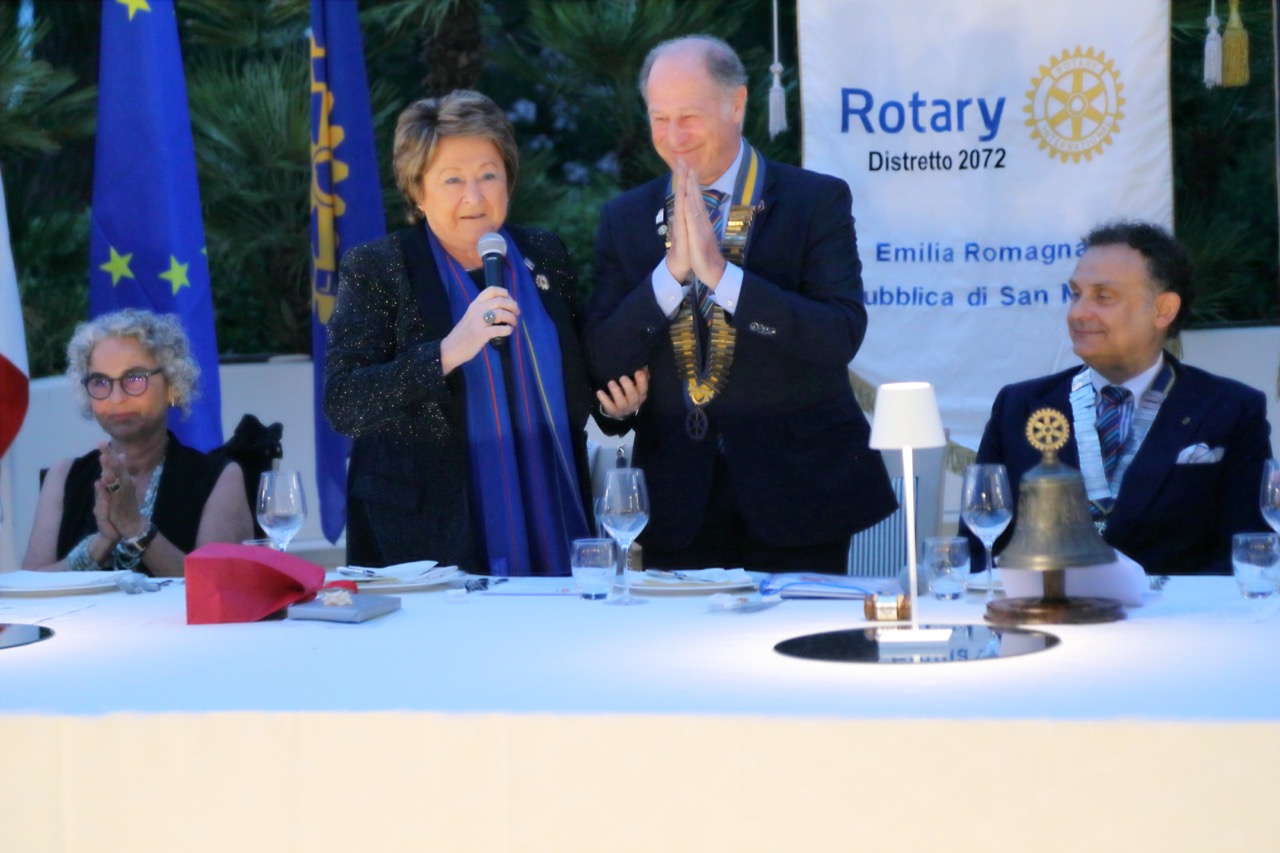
point(1235, 50)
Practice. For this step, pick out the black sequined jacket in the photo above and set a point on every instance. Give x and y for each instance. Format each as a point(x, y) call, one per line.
point(408, 480)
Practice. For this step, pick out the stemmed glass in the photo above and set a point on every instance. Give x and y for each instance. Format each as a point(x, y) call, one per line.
point(986, 505)
point(624, 513)
point(1269, 499)
point(282, 506)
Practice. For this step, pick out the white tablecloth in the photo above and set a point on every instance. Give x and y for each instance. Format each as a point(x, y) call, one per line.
point(549, 723)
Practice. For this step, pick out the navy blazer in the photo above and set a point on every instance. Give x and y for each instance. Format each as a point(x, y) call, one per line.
point(794, 439)
point(384, 386)
point(1173, 519)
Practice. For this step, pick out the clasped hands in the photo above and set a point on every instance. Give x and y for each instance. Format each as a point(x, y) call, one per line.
point(695, 246)
point(115, 500)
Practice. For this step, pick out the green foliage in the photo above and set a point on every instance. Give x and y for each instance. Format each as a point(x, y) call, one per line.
point(251, 122)
point(409, 17)
point(42, 109)
point(241, 26)
point(39, 104)
point(571, 210)
point(585, 57)
point(52, 284)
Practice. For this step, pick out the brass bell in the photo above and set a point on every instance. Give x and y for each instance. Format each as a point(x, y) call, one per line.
point(1054, 532)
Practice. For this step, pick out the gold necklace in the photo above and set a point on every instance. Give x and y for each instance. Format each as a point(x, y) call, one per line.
point(703, 378)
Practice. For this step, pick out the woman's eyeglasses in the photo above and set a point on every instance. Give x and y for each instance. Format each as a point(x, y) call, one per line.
point(134, 383)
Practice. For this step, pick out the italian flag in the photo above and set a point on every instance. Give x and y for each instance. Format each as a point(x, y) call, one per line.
point(13, 343)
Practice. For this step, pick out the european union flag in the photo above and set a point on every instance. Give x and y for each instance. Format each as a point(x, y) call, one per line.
point(346, 210)
point(147, 238)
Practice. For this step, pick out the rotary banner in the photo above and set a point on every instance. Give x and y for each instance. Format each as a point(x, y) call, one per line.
point(981, 141)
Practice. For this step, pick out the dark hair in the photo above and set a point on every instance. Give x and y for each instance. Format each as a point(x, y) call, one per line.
point(723, 65)
point(1168, 262)
point(424, 123)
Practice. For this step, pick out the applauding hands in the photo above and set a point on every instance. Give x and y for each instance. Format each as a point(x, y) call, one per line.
point(695, 246)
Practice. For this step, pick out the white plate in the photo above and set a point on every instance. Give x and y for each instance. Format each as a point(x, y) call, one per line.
point(643, 584)
point(394, 584)
point(24, 583)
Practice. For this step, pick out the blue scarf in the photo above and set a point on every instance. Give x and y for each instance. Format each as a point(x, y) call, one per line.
point(524, 483)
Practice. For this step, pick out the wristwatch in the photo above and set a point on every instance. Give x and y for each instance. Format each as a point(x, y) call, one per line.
point(136, 546)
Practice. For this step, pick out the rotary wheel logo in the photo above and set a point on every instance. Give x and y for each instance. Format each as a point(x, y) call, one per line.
point(1074, 104)
point(1047, 430)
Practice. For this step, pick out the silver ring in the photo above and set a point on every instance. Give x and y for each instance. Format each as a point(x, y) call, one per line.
point(489, 318)
point(113, 486)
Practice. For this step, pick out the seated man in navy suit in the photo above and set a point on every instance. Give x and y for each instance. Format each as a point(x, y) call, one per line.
point(736, 280)
point(1171, 456)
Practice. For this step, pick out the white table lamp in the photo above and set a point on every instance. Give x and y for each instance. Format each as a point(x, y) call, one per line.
point(907, 417)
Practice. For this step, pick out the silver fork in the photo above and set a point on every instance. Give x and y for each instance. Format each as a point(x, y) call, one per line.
point(129, 582)
point(135, 583)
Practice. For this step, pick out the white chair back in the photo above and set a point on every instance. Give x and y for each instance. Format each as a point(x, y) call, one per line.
point(881, 551)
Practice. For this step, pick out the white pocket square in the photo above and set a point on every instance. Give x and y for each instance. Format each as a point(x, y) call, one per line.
point(1200, 454)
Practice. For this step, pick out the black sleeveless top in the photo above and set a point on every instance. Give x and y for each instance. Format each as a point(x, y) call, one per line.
point(186, 482)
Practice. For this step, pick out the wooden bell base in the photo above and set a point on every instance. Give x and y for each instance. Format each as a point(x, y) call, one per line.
point(1054, 611)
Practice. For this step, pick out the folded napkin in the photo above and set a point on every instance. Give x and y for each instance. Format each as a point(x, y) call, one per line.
point(807, 585)
point(25, 580)
point(244, 583)
point(420, 570)
point(1124, 580)
point(685, 576)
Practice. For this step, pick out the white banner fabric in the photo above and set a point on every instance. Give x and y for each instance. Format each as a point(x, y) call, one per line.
point(981, 142)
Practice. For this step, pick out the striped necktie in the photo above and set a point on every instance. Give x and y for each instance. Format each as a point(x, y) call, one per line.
point(1110, 422)
point(713, 199)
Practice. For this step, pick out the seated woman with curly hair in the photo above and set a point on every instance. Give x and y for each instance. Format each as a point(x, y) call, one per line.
point(142, 500)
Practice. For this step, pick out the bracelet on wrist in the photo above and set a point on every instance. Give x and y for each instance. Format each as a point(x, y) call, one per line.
point(129, 550)
point(79, 559)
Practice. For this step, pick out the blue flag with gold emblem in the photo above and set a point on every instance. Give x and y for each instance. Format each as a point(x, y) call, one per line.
point(146, 245)
point(346, 210)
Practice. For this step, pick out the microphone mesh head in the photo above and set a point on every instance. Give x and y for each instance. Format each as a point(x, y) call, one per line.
point(492, 243)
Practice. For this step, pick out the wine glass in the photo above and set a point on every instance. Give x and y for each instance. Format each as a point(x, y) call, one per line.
point(986, 505)
point(1270, 496)
point(282, 506)
point(624, 513)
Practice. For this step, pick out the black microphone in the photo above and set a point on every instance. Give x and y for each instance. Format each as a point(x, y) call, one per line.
point(493, 250)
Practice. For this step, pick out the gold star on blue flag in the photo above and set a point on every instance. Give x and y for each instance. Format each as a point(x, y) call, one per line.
point(146, 242)
point(346, 210)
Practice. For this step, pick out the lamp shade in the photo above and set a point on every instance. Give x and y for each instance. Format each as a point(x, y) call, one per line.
point(906, 416)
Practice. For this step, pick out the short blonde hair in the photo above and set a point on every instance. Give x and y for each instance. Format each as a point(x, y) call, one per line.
point(424, 123)
point(161, 334)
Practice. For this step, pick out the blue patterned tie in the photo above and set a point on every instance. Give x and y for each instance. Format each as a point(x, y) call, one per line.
point(713, 199)
point(1109, 420)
